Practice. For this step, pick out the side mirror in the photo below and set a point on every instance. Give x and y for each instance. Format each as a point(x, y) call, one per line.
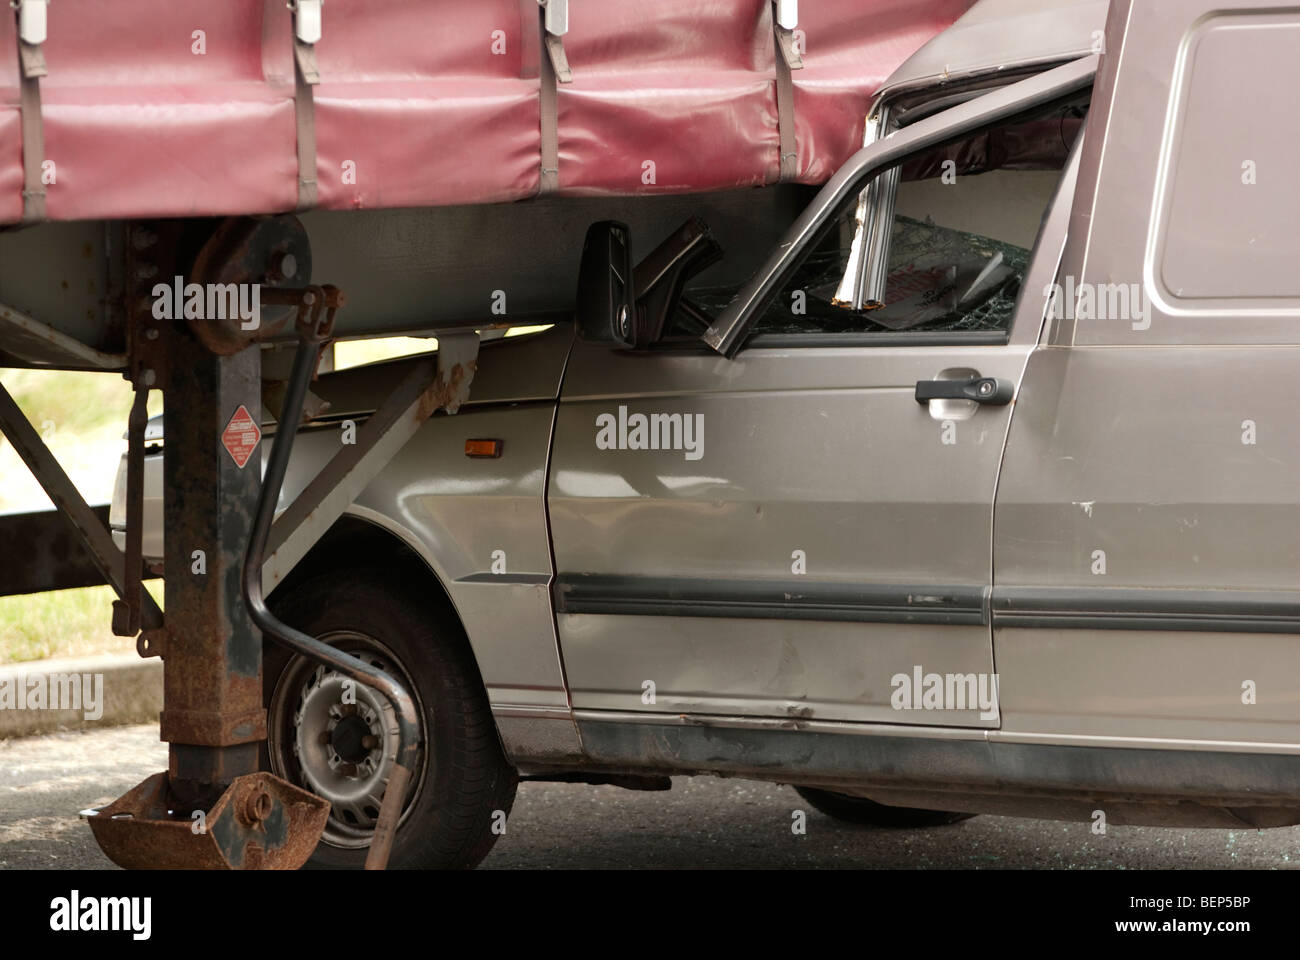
point(661, 277)
point(605, 294)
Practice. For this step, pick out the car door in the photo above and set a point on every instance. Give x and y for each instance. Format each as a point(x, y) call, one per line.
point(789, 532)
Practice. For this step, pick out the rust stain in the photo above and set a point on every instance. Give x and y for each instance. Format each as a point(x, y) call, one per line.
point(440, 394)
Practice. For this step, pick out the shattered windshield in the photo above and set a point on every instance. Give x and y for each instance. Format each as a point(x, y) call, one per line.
point(960, 219)
point(938, 279)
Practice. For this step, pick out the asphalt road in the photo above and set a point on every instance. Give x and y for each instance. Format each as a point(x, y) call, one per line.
point(701, 822)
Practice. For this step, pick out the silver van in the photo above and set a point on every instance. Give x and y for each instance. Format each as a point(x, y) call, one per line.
point(980, 495)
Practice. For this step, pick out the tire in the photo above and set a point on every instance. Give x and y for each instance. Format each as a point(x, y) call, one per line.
point(864, 812)
point(462, 787)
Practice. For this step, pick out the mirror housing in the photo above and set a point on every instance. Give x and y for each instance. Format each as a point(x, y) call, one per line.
point(606, 298)
point(661, 277)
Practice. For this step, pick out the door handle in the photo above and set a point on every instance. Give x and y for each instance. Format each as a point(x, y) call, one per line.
point(990, 390)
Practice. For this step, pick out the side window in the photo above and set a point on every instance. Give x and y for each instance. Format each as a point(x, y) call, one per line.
point(940, 243)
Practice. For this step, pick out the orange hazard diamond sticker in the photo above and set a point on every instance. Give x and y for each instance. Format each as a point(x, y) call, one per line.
point(240, 436)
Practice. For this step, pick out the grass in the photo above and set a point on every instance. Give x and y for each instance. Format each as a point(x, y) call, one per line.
point(65, 623)
point(81, 417)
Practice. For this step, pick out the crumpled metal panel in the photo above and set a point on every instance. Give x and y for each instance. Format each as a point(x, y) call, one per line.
point(429, 104)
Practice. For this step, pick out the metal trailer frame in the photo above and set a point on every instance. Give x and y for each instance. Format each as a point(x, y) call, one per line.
point(212, 633)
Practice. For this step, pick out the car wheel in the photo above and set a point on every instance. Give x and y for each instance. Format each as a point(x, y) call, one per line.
point(860, 810)
point(338, 739)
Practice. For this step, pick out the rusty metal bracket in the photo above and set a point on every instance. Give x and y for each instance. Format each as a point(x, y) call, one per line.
point(259, 822)
point(126, 611)
point(109, 560)
point(150, 256)
point(313, 330)
point(271, 255)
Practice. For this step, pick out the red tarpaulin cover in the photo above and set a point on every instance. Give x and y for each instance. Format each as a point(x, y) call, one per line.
point(418, 105)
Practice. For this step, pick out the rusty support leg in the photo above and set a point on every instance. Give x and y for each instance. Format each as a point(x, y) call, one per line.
point(212, 716)
point(212, 809)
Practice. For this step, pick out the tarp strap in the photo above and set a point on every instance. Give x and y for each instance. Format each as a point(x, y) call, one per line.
point(549, 180)
point(787, 59)
point(307, 30)
point(305, 75)
point(32, 63)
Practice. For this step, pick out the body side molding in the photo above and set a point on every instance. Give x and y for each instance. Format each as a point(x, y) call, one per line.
point(771, 599)
point(1137, 608)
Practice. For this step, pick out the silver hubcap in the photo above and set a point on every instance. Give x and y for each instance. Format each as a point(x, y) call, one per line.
point(338, 738)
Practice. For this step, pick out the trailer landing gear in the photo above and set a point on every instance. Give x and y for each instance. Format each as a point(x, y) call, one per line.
point(214, 808)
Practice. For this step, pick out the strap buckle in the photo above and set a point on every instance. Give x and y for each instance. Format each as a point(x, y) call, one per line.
point(32, 32)
point(32, 20)
point(307, 19)
point(555, 18)
point(784, 22)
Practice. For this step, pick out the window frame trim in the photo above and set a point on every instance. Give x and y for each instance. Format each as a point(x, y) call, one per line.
point(729, 331)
